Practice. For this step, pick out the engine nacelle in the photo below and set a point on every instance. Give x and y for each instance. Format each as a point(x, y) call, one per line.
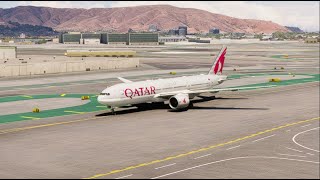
point(179, 101)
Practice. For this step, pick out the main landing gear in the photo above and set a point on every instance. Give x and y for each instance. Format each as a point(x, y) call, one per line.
point(190, 105)
point(112, 111)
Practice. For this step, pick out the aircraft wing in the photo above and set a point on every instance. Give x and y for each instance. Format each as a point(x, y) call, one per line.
point(124, 80)
point(167, 95)
point(233, 89)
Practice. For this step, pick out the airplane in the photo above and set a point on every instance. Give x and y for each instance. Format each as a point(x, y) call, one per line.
point(176, 91)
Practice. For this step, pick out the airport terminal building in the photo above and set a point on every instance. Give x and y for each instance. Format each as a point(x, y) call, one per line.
point(110, 38)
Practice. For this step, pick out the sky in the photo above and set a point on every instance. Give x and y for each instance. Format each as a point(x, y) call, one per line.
point(303, 14)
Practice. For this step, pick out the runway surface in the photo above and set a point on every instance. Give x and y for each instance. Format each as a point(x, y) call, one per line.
point(259, 133)
point(105, 143)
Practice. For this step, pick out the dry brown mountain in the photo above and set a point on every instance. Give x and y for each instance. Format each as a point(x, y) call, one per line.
point(137, 18)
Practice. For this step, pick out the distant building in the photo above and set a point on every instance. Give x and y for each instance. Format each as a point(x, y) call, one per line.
point(117, 38)
point(173, 32)
point(91, 41)
point(153, 28)
point(70, 38)
point(214, 31)
point(130, 30)
point(311, 40)
point(55, 40)
point(74, 32)
point(111, 38)
point(143, 39)
point(237, 35)
point(266, 37)
point(183, 30)
point(191, 36)
point(172, 39)
point(90, 36)
point(22, 35)
point(200, 40)
point(249, 36)
point(27, 40)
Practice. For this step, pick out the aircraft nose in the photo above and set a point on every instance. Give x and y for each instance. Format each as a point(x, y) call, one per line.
point(100, 99)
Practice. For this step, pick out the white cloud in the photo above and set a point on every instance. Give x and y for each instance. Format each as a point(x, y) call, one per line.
point(295, 13)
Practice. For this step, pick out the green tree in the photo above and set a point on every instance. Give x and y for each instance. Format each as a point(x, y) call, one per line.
point(258, 36)
point(42, 41)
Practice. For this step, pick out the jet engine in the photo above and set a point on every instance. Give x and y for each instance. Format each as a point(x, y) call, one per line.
point(179, 101)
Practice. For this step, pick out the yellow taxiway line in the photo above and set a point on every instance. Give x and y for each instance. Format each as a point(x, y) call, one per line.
point(160, 160)
point(44, 125)
point(202, 149)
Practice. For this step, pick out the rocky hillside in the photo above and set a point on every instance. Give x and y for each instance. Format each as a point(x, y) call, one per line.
point(14, 29)
point(294, 29)
point(137, 18)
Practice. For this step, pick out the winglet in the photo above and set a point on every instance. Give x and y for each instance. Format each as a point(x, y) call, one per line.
point(219, 62)
point(124, 80)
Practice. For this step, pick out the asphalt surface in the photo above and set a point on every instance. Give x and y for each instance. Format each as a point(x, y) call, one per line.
point(264, 133)
point(27, 105)
point(97, 146)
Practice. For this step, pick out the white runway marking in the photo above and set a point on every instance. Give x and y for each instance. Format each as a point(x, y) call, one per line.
point(294, 149)
point(293, 139)
point(124, 176)
point(165, 166)
point(306, 125)
point(266, 157)
point(263, 138)
point(233, 147)
point(202, 156)
point(290, 155)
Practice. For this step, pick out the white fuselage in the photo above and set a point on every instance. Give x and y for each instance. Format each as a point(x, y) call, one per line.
point(144, 91)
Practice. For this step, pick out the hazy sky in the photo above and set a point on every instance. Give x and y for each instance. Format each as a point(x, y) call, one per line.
point(304, 14)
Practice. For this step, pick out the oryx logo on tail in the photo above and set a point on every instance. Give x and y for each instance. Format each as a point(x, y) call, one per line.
point(219, 62)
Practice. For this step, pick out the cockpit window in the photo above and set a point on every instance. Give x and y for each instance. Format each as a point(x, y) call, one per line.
point(105, 94)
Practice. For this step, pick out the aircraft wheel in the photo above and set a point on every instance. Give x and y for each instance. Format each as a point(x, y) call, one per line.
point(190, 105)
point(144, 106)
point(158, 104)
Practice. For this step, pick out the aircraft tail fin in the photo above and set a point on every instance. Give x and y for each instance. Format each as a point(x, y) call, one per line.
point(218, 63)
